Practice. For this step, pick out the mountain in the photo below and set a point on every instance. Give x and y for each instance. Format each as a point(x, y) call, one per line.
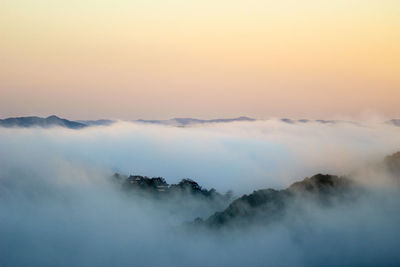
point(50, 121)
point(392, 163)
point(291, 121)
point(184, 197)
point(96, 122)
point(263, 206)
point(191, 121)
point(395, 122)
point(53, 121)
point(159, 188)
point(267, 205)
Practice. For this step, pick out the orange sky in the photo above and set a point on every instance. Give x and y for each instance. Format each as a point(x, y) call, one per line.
point(161, 59)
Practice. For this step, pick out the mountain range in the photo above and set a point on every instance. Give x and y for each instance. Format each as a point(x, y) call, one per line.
point(51, 121)
point(34, 121)
point(262, 206)
point(191, 121)
point(54, 121)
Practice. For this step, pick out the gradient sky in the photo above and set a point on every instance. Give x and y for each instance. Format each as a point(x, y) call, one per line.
point(161, 59)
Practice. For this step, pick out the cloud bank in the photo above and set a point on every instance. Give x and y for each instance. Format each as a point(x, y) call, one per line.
point(59, 208)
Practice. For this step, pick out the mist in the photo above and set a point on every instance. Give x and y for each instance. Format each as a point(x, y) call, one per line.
point(59, 207)
point(239, 156)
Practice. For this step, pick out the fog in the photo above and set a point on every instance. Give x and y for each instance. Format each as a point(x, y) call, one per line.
point(238, 156)
point(59, 208)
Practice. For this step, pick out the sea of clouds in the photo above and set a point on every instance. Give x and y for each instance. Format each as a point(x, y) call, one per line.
point(58, 207)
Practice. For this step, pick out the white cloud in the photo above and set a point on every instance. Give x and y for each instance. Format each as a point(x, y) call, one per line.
point(57, 207)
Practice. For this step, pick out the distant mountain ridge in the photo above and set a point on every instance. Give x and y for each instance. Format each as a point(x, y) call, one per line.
point(395, 122)
point(96, 122)
point(190, 121)
point(34, 121)
point(51, 121)
point(55, 121)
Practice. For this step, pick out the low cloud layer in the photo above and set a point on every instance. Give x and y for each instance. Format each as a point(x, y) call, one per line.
point(239, 156)
point(59, 208)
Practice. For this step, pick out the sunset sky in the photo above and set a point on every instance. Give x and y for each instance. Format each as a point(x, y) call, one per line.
point(154, 59)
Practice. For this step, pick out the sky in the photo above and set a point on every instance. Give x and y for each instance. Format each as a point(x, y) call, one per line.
point(158, 59)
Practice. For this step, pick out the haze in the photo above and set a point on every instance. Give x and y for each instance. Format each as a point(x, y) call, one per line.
point(59, 208)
